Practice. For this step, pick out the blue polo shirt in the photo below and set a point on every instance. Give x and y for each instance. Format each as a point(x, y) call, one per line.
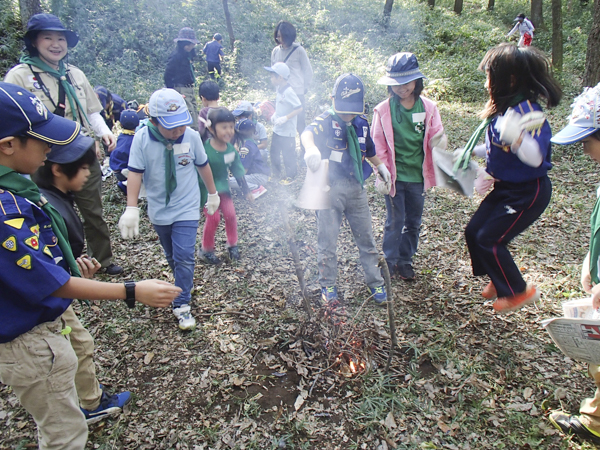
point(330, 138)
point(212, 50)
point(32, 268)
point(367, 146)
point(504, 165)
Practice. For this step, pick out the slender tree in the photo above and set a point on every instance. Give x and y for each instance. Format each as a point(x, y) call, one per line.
point(28, 8)
point(458, 6)
point(592, 57)
point(387, 12)
point(557, 35)
point(229, 26)
point(491, 5)
point(537, 17)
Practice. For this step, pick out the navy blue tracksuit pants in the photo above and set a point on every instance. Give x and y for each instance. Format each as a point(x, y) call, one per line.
point(504, 214)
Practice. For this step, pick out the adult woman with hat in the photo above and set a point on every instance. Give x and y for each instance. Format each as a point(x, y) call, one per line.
point(179, 73)
point(66, 91)
point(406, 127)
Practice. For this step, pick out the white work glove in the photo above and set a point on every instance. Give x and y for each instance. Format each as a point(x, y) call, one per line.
point(129, 223)
point(512, 124)
point(280, 120)
point(385, 180)
point(212, 203)
point(312, 158)
point(456, 154)
point(439, 140)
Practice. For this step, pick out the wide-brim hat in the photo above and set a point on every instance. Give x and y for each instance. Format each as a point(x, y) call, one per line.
point(186, 34)
point(169, 108)
point(48, 22)
point(71, 152)
point(23, 114)
point(584, 119)
point(348, 95)
point(401, 68)
point(281, 69)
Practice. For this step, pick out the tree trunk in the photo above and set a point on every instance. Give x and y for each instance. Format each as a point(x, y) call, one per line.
point(491, 5)
point(537, 16)
point(229, 26)
point(28, 8)
point(458, 6)
point(387, 12)
point(592, 57)
point(557, 35)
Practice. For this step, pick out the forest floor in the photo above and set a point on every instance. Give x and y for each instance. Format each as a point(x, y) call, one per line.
point(255, 374)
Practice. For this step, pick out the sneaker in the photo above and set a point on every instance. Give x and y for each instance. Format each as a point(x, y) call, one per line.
point(234, 253)
point(508, 304)
point(489, 292)
point(258, 192)
point(184, 315)
point(286, 181)
point(379, 295)
point(208, 257)
point(570, 425)
point(405, 271)
point(109, 406)
point(329, 294)
point(113, 269)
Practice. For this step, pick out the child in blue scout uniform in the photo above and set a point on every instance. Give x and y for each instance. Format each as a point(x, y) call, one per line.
point(287, 108)
point(179, 72)
point(517, 137)
point(257, 171)
point(245, 110)
point(66, 170)
point(119, 157)
point(36, 358)
point(214, 54)
point(584, 127)
point(112, 105)
point(168, 156)
point(367, 147)
point(331, 136)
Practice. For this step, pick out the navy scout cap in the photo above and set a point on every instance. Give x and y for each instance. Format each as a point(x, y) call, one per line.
point(348, 95)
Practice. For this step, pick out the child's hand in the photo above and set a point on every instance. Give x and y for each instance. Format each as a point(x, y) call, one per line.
point(596, 296)
point(586, 278)
point(87, 267)
point(156, 293)
point(250, 197)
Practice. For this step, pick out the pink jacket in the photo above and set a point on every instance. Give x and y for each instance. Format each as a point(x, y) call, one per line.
point(383, 137)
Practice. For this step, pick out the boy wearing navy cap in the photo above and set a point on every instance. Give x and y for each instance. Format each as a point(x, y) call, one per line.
point(584, 127)
point(287, 108)
point(168, 156)
point(331, 136)
point(245, 110)
point(36, 359)
point(119, 157)
point(112, 105)
point(257, 171)
point(214, 55)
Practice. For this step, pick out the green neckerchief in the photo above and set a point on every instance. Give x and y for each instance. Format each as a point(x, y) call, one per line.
point(463, 161)
point(23, 187)
point(61, 76)
point(170, 172)
point(353, 147)
point(595, 242)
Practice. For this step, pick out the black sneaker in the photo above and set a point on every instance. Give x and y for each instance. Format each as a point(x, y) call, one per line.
point(570, 424)
point(208, 257)
point(234, 253)
point(405, 271)
point(113, 269)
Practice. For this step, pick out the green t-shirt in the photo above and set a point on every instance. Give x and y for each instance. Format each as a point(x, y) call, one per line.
point(409, 131)
point(220, 165)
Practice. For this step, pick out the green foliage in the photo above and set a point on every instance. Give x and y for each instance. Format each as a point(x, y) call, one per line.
point(10, 36)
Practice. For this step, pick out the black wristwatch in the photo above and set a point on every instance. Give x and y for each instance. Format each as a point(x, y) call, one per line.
point(130, 294)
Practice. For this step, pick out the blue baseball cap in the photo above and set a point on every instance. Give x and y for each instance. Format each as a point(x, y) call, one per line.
point(23, 114)
point(129, 119)
point(584, 119)
point(68, 153)
point(218, 37)
point(348, 95)
point(48, 22)
point(242, 107)
point(169, 108)
point(244, 125)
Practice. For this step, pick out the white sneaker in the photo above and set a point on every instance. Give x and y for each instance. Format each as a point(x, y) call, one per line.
point(184, 315)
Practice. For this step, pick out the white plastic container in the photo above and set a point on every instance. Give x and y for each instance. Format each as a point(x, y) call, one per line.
point(579, 309)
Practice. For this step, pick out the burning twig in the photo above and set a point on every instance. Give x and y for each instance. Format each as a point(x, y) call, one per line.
point(297, 266)
point(390, 307)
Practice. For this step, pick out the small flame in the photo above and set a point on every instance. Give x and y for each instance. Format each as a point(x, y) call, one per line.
point(352, 366)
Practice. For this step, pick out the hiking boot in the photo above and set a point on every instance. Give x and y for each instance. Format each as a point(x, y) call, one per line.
point(234, 253)
point(508, 304)
point(258, 192)
point(329, 294)
point(185, 318)
point(208, 257)
point(570, 425)
point(113, 269)
point(489, 292)
point(379, 295)
point(110, 405)
point(286, 181)
point(406, 272)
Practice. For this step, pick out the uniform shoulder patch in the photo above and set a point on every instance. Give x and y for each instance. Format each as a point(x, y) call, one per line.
point(24, 262)
point(15, 223)
point(10, 244)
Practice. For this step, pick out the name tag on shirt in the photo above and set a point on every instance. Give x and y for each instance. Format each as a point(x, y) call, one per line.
point(418, 117)
point(336, 156)
point(229, 157)
point(361, 140)
point(180, 149)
